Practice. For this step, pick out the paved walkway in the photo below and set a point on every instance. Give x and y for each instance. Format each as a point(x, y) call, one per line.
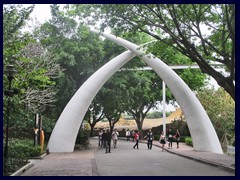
point(67, 164)
point(222, 160)
point(78, 163)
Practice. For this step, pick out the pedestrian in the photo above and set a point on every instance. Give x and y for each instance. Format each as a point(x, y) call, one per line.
point(132, 135)
point(104, 138)
point(100, 138)
point(128, 134)
point(177, 135)
point(170, 138)
point(136, 138)
point(108, 142)
point(149, 137)
point(162, 140)
point(115, 135)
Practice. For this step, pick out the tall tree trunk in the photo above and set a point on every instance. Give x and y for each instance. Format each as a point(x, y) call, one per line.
point(92, 127)
point(139, 123)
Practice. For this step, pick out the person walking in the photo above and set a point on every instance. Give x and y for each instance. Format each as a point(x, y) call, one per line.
point(136, 138)
point(149, 137)
point(162, 140)
point(177, 135)
point(170, 138)
point(104, 138)
point(128, 134)
point(115, 135)
point(108, 142)
point(132, 135)
point(100, 138)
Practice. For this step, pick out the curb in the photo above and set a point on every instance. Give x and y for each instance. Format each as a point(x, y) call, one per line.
point(22, 169)
point(197, 159)
point(204, 161)
point(27, 166)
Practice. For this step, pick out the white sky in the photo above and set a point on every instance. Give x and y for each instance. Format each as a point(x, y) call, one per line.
point(41, 12)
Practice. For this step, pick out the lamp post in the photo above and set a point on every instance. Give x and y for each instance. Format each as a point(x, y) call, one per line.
point(9, 71)
point(164, 107)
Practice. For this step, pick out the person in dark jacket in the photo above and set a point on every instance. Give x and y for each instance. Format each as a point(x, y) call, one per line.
point(177, 135)
point(170, 138)
point(104, 139)
point(108, 142)
point(149, 137)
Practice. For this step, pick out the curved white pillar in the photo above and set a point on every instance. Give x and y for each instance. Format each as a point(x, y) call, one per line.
point(66, 129)
point(203, 134)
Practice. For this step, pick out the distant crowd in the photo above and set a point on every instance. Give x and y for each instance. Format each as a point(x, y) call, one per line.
point(105, 138)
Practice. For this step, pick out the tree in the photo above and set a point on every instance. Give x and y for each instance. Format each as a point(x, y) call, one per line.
point(154, 115)
point(77, 51)
point(221, 112)
point(14, 19)
point(111, 98)
point(37, 85)
point(203, 32)
point(21, 50)
point(94, 114)
point(35, 77)
point(142, 90)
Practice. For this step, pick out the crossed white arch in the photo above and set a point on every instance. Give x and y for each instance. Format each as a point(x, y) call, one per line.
point(66, 129)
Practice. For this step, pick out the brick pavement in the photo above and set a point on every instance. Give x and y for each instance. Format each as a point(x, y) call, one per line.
point(82, 163)
point(222, 160)
point(78, 163)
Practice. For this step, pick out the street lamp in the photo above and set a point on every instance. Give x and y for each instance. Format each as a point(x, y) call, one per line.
point(9, 71)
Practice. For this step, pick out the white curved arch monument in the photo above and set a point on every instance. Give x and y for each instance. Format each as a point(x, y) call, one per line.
point(65, 132)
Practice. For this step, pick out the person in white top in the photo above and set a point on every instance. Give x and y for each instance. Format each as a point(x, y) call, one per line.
point(100, 144)
point(128, 134)
point(162, 140)
point(115, 135)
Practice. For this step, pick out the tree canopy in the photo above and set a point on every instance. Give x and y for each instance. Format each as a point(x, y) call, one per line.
point(203, 32)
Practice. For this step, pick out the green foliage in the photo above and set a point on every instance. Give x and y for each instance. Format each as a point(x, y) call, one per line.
point(193, 78)
point(156, 137)
point(14, 18)
point(83, 137)
point(154, 115)
point(181, 125)
point(35, 73)
point(188, 141)
point(111, 98)
point(180, 28)
point(20, 151)
point(77, 50)
point(142, 89)
point(220, 108)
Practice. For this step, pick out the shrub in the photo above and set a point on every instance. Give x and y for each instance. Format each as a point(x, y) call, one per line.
point(83, 137)
point(20, 151)
point(156, 137)
point(188, 141)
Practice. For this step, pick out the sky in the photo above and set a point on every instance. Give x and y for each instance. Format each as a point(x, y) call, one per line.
point(41, 12)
